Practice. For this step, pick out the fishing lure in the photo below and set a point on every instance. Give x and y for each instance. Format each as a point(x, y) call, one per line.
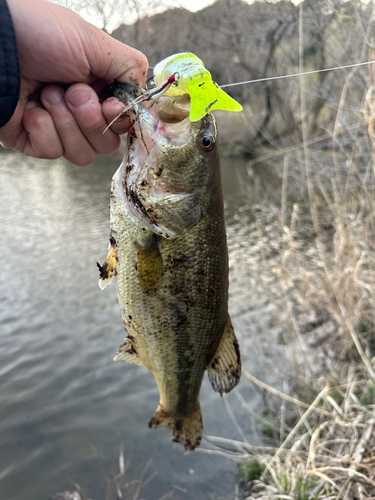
point(182, 74)
point(193, 79)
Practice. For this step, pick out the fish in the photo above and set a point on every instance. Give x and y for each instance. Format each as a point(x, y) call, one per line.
point(168, 254)
point(194, 79)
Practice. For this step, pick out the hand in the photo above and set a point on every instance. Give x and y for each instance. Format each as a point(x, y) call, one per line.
point(65, 62)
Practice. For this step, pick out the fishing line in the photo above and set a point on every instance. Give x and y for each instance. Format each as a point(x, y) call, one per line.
point(162, 88)
point(297, 74)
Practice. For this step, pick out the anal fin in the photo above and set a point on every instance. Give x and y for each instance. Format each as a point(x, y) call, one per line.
point(224, 369)
point(127, 353)
point(107, 270)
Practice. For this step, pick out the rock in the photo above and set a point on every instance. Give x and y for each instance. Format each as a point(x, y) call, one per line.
point(66, 495)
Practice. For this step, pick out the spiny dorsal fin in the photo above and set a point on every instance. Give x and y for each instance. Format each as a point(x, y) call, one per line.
point(108, 269)
point(224, 369)
point(127, 353)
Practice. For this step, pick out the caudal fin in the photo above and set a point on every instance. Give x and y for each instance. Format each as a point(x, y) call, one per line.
point(187, 429)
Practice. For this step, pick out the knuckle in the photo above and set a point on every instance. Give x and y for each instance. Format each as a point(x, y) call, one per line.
point(40, 121)
point(81, 160)
point(52, 156)
point(93, 127)
point(107, 148)
point(53, 153)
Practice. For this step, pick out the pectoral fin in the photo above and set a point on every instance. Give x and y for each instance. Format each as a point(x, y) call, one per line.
point(224, 369)
point(149, 264)
point(127, 353)
point(107, 270)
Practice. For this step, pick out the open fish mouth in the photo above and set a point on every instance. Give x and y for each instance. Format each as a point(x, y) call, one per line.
point(173, 109)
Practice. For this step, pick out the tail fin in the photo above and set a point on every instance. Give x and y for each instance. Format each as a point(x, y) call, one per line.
point(187, 429)
point(207, 96)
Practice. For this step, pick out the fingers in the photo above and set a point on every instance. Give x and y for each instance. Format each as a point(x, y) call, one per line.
point(111, 108)
point(68, 124)
point(79, 122)
point(84, 105)
point(32, 132)
point(112, 60)
point(76, 148)
point(43, 141)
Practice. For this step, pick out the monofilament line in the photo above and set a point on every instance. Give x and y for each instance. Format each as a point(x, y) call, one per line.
point(297, 74)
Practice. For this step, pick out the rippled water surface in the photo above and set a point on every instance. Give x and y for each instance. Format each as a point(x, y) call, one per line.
point(65, 406)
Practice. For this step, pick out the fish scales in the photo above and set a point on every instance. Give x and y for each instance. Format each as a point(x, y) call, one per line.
point(169, 254)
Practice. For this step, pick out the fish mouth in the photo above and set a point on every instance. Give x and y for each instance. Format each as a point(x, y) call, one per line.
point(173, 110)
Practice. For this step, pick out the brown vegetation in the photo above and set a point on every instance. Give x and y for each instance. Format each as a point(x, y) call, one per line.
point(240, 41)
point(326, 280)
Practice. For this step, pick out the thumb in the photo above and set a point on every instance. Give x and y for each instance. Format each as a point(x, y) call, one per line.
point(110, 59)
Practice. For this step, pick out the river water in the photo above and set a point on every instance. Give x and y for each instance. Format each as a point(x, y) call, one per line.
point(65, 407)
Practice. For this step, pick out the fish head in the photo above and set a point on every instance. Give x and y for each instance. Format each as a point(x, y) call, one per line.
point(171, 166)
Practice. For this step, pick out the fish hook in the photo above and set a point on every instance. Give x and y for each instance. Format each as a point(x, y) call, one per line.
point(147, 95)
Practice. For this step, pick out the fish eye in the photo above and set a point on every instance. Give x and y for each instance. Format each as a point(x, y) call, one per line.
point(206, 142)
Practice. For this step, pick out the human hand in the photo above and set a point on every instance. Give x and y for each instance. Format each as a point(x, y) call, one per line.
point(65, 62)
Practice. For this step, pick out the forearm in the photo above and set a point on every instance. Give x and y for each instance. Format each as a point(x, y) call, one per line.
point(9, 66)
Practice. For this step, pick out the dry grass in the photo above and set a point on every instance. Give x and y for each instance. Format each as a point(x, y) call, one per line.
point(329, 453)
point(327, 282)
point(119, 486)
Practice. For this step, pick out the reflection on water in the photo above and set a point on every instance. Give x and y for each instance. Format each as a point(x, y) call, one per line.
point(65, 406)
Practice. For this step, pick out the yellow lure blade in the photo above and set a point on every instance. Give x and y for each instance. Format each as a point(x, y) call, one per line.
point(206, 96)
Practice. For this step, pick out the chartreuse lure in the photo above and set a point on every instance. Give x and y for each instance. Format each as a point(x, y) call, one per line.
point(191, 77)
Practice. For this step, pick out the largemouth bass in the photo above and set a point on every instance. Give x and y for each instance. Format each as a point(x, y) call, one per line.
point(169, 255)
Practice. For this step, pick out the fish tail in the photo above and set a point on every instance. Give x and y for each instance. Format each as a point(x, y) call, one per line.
point(187, 429)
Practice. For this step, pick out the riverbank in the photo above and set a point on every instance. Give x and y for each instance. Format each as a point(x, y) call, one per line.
point(310, 264)
point(320, 431)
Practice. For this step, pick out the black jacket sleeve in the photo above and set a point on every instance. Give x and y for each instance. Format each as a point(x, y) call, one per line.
point(9, 66)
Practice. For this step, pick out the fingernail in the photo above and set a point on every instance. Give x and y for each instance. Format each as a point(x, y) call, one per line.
point(80, 98)
point(31, 104)
point(54, 97)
